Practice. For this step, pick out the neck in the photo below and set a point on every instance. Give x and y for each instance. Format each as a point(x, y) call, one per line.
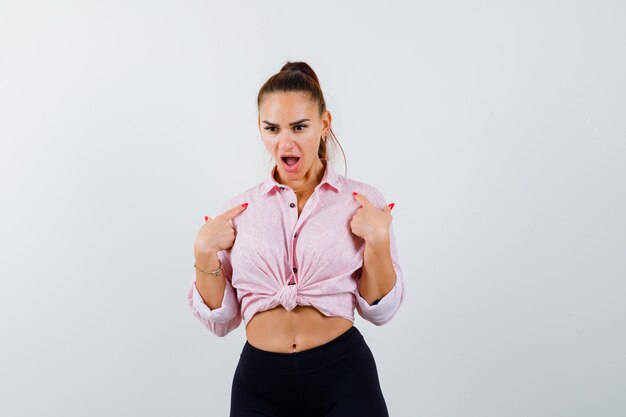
point(310, 180)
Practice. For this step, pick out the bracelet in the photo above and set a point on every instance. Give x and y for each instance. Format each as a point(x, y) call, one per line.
point(216, 272)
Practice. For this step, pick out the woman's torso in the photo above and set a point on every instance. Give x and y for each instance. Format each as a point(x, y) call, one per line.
point(304, 327)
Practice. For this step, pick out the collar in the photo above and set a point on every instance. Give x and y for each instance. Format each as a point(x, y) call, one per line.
point(330, 177)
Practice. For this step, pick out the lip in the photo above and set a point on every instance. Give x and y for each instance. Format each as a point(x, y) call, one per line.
point(293, 168)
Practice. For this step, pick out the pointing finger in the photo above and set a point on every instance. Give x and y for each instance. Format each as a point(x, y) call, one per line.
point(361, 199)
point(230, 213)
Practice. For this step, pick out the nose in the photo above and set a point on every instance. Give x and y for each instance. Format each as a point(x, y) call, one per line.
point(286, 142)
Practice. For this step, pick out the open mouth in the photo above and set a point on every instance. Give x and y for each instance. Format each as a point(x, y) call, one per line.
point(290, 160)
point(291, 163)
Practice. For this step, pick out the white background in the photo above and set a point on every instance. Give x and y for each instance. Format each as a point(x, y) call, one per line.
point(497, 128)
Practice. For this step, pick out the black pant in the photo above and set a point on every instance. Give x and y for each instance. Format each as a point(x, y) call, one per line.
point(336, 379)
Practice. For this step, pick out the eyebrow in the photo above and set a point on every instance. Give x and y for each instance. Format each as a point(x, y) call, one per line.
point(290, 124)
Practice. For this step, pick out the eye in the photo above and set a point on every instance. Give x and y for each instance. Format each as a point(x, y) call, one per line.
point(270, 128)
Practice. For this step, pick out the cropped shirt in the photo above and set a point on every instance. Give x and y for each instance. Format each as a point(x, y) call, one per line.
point(280, 258)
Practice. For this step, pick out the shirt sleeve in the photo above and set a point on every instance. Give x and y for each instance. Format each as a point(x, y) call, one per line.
point(384, 309)
point(225, 318)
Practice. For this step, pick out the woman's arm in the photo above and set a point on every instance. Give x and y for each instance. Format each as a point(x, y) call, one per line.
point(380, 288)
point(221, 316)
point(378, 276)
point(210, 287)
point(213, 299)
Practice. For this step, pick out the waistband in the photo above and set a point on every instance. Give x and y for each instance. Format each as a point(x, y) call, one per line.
point(305, 361)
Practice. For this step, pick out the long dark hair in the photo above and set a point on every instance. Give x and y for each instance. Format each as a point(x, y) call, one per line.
point(300, 77)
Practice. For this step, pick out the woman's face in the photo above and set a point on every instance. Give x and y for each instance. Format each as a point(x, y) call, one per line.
point(290, 126)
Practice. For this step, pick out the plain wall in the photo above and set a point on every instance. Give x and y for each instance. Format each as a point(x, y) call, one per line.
point(497, 128)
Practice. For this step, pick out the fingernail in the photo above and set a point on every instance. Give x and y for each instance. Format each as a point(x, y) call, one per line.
point(244, 205)
point(206, 218)
point(391, 205)
point(354, 193)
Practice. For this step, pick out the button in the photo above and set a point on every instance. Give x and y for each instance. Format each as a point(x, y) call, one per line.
point(295, 270)
point(292, 205)
point(295, 235)
point(282, 188)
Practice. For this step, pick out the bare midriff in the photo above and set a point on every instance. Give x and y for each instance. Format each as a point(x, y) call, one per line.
point(304, 327)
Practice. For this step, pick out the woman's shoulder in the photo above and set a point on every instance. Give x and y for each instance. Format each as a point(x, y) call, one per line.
point(245, 196)
point(371, 192)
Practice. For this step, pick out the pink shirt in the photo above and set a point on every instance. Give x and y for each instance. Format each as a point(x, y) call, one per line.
point(310, 260)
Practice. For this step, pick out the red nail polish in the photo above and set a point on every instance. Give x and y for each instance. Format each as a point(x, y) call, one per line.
point(206, 218)
point(354, 193)
point(391, 205)
point(244, 205)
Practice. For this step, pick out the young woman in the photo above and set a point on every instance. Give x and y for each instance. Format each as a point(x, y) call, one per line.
point(292, 257)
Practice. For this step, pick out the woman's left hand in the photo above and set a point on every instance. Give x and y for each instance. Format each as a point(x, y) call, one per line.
point(369, 222)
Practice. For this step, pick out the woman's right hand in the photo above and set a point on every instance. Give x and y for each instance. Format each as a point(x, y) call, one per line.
point(217, 233)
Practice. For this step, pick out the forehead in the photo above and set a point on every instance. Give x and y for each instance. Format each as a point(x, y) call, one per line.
point(287, 105)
